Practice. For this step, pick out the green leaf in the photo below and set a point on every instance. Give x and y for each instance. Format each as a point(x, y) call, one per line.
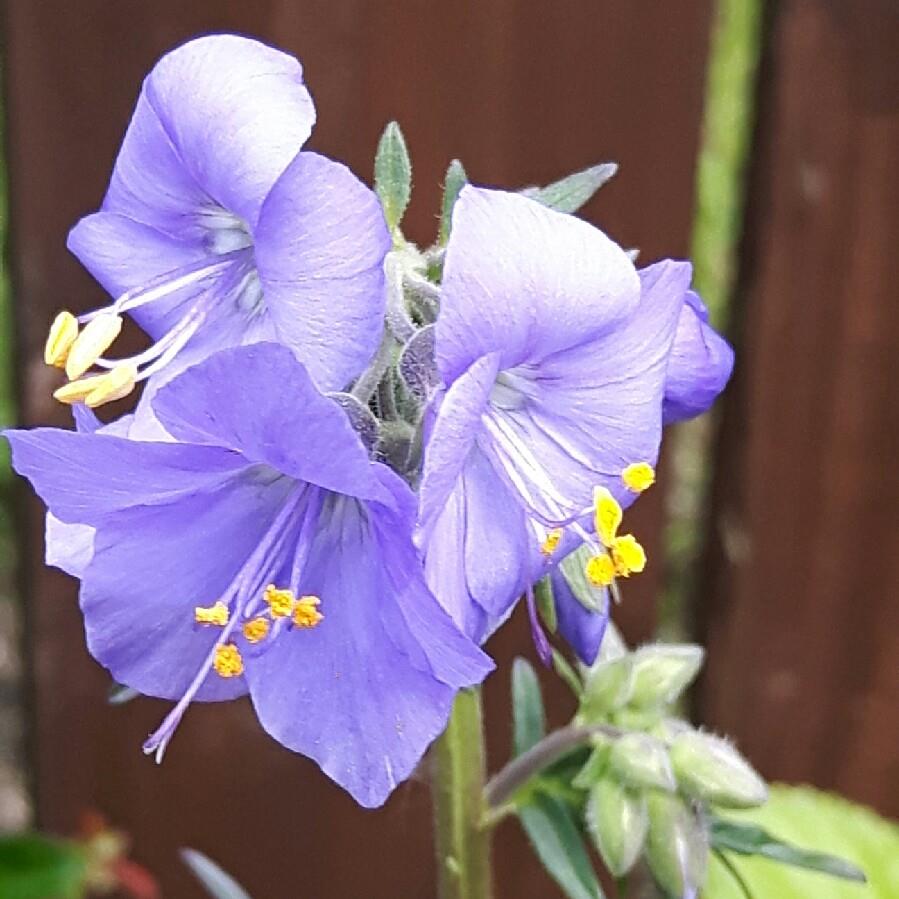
point(553, 833)
point(569, 194)
point(218, 884)
point(36, 867)
point(821, 823)
point(528, 717)
point(455, 180)
point(393, 174)
point(750, 839)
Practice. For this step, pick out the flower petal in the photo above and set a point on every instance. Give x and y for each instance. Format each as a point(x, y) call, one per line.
point(363, 693)
point(525, 281)
point(218, 121)
point(153, 564)
point(700, 364)
point(451, 436)
point(236, 397)
point(320, 248)
point(582, 629)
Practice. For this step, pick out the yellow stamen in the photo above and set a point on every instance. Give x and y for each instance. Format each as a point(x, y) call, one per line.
point(600, 570)
point(228, 661)
point(78, 391)
point(118, 382)
point(638, 476)
point(552, 541)
point(607, 514)
point(215, 614)
point(628, 555)
point(280, 602)
point(256, 629)
point(92, 343)
point(306, 613)
point(63, 333)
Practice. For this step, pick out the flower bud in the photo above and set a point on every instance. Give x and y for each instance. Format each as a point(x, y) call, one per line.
point(607, 687)
point(617, 820)
point(640, 761)
point(661, 672)
point(677, 845)
point(595, 766)
point(711, 769)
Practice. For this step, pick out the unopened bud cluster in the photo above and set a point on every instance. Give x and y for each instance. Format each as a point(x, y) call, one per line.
point(651, 776)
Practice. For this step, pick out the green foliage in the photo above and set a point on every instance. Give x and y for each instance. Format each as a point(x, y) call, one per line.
point(821, 823)
point(554, 834)
point(37, 867)
point(528, 717)
point(393, 175)
point(569, 194)
point(218, 884)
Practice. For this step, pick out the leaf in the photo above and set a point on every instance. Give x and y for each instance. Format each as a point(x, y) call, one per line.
point(823, 823)
point(750, 839)
point(553, 833)
point(569, 194)
point(218, 884)
point(36, 867)
point(528, 717)
point(393, 174)
point(455, 180)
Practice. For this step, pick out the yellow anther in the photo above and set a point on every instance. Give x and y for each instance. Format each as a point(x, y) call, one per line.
point(280, 602)
point(78, 391)
point(600, 570)
point(628, 555)
point(63, 333)
point(638, 476)
point(607, 515)
point(306, 613)
point(214, 614)
point(92, 343)
point(256, 629)
point(228, 661)
point(118, 382)
point(551, 543)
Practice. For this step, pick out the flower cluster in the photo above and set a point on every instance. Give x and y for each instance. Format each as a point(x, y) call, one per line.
point(350, 457)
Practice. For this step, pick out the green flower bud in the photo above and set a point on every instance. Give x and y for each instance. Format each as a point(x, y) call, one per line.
point(711, 769)
point(661, 672)
point(677, 845)
point(617, 820)
point(641, 761)
point(608, 686)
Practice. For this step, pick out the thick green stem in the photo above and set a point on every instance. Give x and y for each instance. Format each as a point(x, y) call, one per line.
point(461, 839)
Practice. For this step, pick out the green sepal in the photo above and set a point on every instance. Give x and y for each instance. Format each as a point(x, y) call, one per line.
point(607, 687)
point(617, 820)
point(453, 182)
point(393, 175)
point(570, 193)
point(573, 568)
point(642, 762)
point(677, 846)
point(546, 604)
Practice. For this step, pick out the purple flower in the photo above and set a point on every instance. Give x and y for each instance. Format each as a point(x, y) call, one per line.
point(552, 354)
point(260, 552)
point(700, 364)
point(217, 231)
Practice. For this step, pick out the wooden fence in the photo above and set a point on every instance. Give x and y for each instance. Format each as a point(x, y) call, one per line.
point(798, 599)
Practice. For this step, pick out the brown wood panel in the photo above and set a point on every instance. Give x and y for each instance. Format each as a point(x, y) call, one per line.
point(802, 611)
point(522, 92)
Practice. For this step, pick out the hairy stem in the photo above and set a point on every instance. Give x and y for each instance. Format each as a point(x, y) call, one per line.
point(461, 840)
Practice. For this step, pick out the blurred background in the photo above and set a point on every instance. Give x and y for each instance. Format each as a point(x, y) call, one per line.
point(759, 138)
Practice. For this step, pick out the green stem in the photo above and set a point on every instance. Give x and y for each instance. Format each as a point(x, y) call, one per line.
point(462, 841)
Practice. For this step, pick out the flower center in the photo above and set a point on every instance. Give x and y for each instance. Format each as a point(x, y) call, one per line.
point(227, 272)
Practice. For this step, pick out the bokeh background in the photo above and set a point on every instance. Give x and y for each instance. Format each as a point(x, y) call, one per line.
point(760, 138)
